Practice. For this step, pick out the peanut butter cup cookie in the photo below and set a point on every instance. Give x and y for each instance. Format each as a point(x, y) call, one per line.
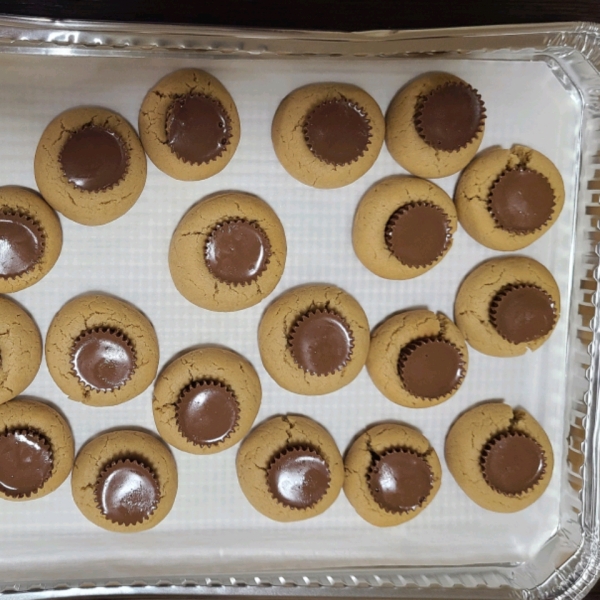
point(314, 339)
point(90, 165)
point(189, 125)
point(507, 199)
point(228, 252)
point(290, 468)
point(101, 350)
point(124, 481)
point(507, 305)
point(327, 135)
point(206, 400)
point(500, 457)
point(36, 446)
point(30, 238)
point(418, 358)
point(20, 349)
point(403, 227)
point(435, 125)
point(392, 474)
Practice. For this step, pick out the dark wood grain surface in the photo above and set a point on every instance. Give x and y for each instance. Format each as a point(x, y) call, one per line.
point(344, 15)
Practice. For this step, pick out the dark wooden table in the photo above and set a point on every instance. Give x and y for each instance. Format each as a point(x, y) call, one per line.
point(345, 15)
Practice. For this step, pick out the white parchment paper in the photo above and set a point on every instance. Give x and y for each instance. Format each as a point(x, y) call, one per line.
point(212, 528)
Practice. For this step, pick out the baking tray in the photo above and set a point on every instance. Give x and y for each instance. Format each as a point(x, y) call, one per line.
point(542, 87)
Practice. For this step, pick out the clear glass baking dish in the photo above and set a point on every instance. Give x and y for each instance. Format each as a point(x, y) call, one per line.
point(46, 66)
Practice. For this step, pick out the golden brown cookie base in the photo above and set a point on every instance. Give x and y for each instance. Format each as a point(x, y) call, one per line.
point(474, 187)
point(186, 252)
point(395, 333)
point(268, 439)
point(478, 289)
point(20, 349)
point(88, 208)
point(106, 448)
point(373, 213)
point(153, 115)
point(98, 310)
point(209, 363)
point(359, 457)
point(280, 317)
point(467, 438)
point(407, 147)
point(22, 413)
point(290, 145)
point(29, 202)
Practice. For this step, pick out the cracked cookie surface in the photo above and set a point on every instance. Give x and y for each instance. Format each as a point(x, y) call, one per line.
point(265, 443)
point(89, 313)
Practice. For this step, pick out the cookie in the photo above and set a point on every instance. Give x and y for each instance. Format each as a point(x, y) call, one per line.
point(189, 125)
point(314, 339)
point(90, 165)
point(36, 445)
point(101, 350)
point(507, 305)
point(30, 238)
point(500, 457)
point(20, 349)
point(228, 252)
point(435, 125)
point(327, 135)
point(507, 199)
point(403, 227)
point(418, 358)
point(206, 400)
point(124, 481)
point(392, 474)
point(290, 468)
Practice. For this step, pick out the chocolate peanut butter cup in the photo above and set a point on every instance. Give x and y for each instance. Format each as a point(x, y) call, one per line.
point(449, 117)
point(417, 234)
point(207, 412)
point(237, 252)
point(337, 132)
point(126, 492)
point(522, 313)
point(512, 463)
point(103, 358)
point(94, 158)
point(298, 477)
point(400, 480)
point(26, 462)
point(321, 342)
point(521, 201)
point(22, 243)
point(198, 128)
point(431, 367)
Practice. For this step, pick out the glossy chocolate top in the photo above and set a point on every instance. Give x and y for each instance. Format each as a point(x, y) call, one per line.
point(400, 480)
point(237, 252)
point(26, 462)
point(207, 412)
point(522, 313)
point(321, 342)
point(198, 128)
point(521, 201)
point(103, 358)
point(430, 367)
point(417, 234)
point(512, 463)
point(337, 131)
point(94, 158)
point(298, 477)
point(22, 244)
point(450, 116)
point(127, 492)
